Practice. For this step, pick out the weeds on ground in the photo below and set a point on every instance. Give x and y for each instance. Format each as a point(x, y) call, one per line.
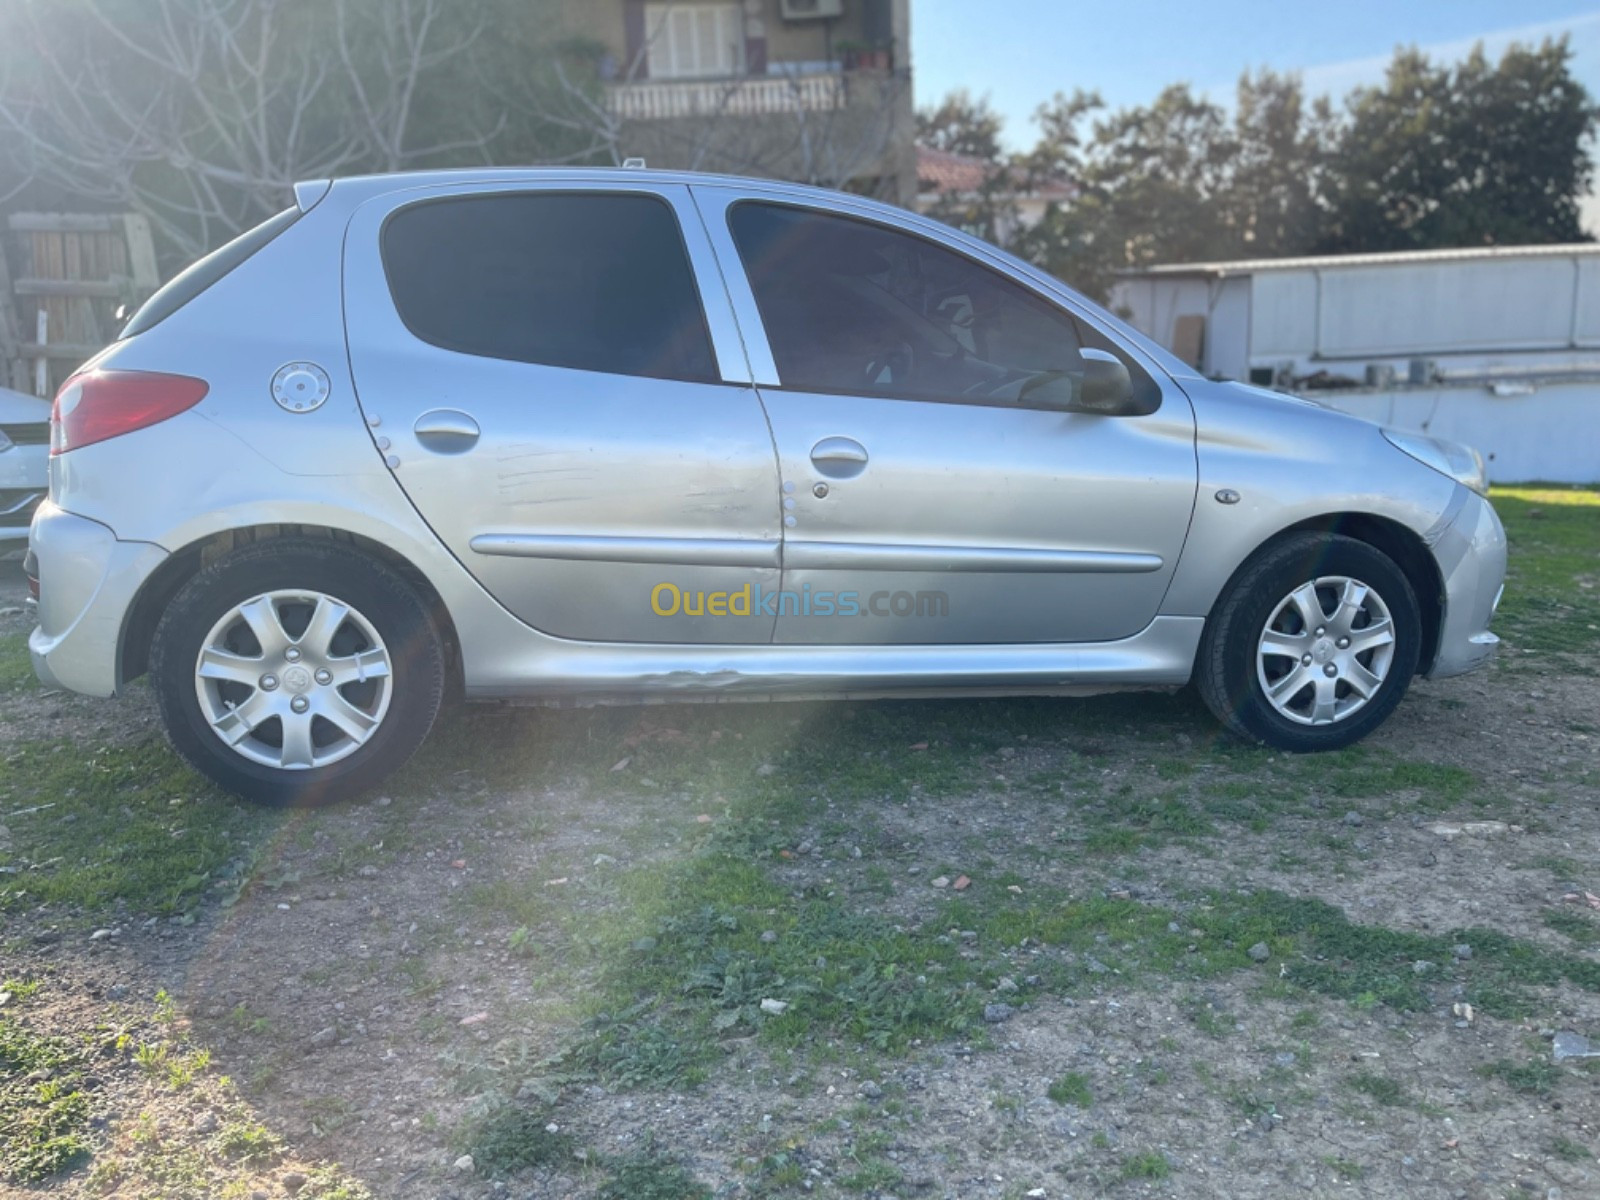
point(1568, 1150)
point(737, 954)
point(650, 1174)
point(1578, 927)
point(128, 823)
point(511, 1138)
point(1072, 1088)
point(1536, 1077)
point(1380, 1088)
point(1149, 1165)
point(46, 1102)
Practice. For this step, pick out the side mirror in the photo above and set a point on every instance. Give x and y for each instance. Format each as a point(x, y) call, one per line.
point(1102, 388)
point(1107, 388)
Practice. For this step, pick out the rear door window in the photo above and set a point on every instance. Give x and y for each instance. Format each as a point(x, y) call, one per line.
point(591, 282)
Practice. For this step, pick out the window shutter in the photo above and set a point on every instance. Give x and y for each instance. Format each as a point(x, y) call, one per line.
point(755, 55)
point(637, 63)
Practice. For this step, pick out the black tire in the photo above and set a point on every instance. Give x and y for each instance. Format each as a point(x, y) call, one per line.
point(417, 663)
point(1226, 671)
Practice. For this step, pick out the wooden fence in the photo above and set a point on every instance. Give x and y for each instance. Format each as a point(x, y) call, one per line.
point(63, 277)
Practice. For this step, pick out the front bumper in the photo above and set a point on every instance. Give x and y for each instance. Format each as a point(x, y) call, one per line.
point(1471, 553)
point(87, 583)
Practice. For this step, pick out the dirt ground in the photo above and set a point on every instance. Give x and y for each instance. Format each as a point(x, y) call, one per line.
point(379, 979)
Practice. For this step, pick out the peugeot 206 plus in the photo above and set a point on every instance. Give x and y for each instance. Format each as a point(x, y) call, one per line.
point(590, 435)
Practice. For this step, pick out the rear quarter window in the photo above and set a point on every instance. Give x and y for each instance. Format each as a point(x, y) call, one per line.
point(591, 282)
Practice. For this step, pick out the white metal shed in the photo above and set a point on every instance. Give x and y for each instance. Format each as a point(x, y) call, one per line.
point(1498, 347)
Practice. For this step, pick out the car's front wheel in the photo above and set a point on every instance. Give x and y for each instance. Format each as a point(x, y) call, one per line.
point(1312, 644)
point(297, 671)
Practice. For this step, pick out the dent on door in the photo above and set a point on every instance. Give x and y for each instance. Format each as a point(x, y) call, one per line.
point(594, 505)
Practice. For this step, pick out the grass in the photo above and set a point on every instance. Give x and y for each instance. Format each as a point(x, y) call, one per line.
point(150, 1082)
point(651, 1174)
point(513, 1138)
point(248, 1141)
point(1580, 928)
point(46, 1101)
point(1149, 1165)
point(1536, 1077)
point(1568, 1150)
point(176, 1066)
point(1553, 534)
point(16, 667)
point(1346, 1169)
point(700, 971)
point(1071, 1088)
point(128, 823)
point(1379, 1088)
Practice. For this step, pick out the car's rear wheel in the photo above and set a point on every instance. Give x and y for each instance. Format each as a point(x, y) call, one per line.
point(1312, 644)
point(297, 671)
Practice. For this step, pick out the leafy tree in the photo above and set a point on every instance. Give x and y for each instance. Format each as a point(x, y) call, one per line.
point(962, 125)
point(1471, 154)
point(971, 128)
point(1474, 154)
point(1281, 146)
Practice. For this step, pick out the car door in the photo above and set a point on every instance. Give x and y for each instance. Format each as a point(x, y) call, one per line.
point(566, 403)
point(929, 496)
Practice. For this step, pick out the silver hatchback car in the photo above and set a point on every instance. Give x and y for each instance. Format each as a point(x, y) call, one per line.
point(587, 435)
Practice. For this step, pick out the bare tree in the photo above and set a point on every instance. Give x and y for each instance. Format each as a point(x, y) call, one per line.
point(201, 114)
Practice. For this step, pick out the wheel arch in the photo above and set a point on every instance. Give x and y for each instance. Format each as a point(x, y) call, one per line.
point(138, 628)
point(1402, 545)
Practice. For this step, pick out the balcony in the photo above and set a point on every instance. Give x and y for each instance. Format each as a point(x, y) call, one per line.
point(748, 96)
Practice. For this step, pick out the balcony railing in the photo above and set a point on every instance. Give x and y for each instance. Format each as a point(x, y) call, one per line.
point(664, 99)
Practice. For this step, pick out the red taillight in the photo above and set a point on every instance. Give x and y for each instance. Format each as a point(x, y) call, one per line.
point(98, 405)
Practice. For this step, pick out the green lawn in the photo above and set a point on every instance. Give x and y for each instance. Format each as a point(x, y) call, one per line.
point(1552, 600)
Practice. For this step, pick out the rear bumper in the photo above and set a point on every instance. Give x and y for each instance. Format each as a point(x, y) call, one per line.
point(1471, 553)
point(87, 582)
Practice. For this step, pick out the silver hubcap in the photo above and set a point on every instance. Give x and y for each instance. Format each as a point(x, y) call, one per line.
point(294, 679)
point(1326, 650)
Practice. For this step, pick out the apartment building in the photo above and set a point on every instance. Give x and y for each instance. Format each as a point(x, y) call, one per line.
point(817, 91)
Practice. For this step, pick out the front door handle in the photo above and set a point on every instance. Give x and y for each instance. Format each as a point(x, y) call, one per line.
point(446, 431)
point(839, 457)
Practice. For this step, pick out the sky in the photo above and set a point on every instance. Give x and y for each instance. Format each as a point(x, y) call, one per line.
point(1020, 52)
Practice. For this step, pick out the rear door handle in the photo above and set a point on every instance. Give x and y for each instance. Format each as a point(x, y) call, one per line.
point(839, 457)
point(446, 431)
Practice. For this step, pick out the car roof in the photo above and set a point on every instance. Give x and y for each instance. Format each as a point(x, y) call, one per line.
point(362, 187)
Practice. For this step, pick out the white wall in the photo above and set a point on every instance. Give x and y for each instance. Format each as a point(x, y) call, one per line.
point(1552, 435)
point(1228, 329)
point(1451, 307)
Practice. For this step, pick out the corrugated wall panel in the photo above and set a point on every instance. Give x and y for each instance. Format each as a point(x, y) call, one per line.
point(1586, 320)
point(1445, 308)
point(1283, 313)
